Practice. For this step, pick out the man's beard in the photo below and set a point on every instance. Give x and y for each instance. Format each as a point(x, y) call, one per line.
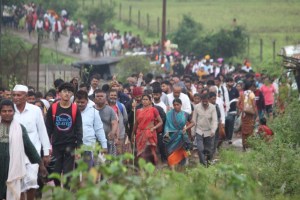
point(112, 101)
point(156, 99)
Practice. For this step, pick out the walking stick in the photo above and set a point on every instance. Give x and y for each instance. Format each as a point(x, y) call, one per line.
point(133, 133)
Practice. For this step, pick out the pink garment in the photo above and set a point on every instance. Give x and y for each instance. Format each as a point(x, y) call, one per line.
point(268, 92)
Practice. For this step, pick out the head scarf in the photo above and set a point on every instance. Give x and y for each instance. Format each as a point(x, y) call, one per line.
point(137, 91)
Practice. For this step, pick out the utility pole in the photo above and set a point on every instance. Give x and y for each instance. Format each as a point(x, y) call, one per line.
point(38, 62)
point(1, 13)
point(163, 31)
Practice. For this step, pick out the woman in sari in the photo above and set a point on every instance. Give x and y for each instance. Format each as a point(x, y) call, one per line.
point(175, 134)
point(147, 121)
point(249, 112)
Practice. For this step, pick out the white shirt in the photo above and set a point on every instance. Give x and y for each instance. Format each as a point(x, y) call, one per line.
point(224, 97)
point(186, 103)
point(92, 127)
point(32, 119)
point(246, 69)
point(220, 103)
point(39, 24)
point(107, 36)
point(91, 91)
point(162, 105)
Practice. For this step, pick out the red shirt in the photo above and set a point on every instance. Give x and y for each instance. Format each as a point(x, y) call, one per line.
point(265, 129)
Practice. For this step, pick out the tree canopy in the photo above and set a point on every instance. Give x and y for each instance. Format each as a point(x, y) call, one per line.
point(191, 38)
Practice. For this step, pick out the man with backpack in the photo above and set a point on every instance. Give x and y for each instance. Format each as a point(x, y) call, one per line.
point(64, 126)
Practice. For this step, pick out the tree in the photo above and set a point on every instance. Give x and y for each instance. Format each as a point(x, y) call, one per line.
point(71, 6)
point(187, 34)
point(134, 65)
point(101, 16)
point(225, 43)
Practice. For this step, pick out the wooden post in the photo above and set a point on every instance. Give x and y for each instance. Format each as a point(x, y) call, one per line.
point(248, 46)
point(163, 31)
point(120, 12)
point(148, 22)
point(38, 63)
point(261, 50)
point(130, 8)
point(157, 26)
point(274, 50)
point(139, 19)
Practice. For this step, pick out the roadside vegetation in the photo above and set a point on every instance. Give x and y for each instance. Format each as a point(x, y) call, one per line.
point(267, 171)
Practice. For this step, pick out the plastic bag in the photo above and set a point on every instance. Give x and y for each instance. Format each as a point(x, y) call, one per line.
point(237, 123)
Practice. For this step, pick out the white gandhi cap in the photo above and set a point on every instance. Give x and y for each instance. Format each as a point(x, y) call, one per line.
point(20, 88)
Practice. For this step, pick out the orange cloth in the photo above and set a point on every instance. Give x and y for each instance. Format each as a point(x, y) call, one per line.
point(177, 156)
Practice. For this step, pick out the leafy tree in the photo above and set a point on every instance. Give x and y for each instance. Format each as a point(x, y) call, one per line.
point(187, 34)
point(226, 43)
point(101, 16)
point(12, 2)
point(134, 65)
point(70, 5)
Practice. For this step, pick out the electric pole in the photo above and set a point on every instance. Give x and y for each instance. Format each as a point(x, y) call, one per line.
point(163, 31)
point(38, 62)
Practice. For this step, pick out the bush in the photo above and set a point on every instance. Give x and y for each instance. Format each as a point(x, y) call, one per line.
point(134, 65)
point(101, 16)
point(70, 5)
point(226, 43)
point(121, 180)
point(274, 165)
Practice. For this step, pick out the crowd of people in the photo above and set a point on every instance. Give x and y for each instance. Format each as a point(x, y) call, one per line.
point(113, 43)
point(50, 24)
point(160, 119)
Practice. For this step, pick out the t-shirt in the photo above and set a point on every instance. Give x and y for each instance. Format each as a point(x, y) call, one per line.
point(162, 105)
point(268, 92)
point(265, 129)
point(233, 94)
point(107, 115)
point(61, 130)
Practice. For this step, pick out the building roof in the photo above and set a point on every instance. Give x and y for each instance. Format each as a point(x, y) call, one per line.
point(97, 62)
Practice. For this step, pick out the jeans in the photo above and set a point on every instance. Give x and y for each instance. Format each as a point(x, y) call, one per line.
point(88, 158)
point(111, 148)
point(215, 142)
point(161, 147)
point(205, 147)
point(65, 161)
point(229, 126)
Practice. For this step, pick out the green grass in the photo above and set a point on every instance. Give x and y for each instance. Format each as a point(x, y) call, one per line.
point(264, 19)
point(49, 56)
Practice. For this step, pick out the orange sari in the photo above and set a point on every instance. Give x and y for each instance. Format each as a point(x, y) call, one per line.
point(146, 141)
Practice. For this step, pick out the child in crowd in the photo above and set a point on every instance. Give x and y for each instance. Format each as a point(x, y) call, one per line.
point(264, 131)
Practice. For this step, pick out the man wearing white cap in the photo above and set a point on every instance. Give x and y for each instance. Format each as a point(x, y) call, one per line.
point(31, 117)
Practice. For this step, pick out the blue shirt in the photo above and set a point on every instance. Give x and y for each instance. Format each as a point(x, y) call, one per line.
point(92, 127)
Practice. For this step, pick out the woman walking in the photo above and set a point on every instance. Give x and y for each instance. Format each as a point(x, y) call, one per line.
point(147, 121)
point(175, 134)
point(249, 111)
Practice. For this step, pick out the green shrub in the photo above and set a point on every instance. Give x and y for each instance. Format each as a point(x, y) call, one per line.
point(100, 16)
point(134, 65)
point(123, 181)
point(274, 165)
point(226, 43)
